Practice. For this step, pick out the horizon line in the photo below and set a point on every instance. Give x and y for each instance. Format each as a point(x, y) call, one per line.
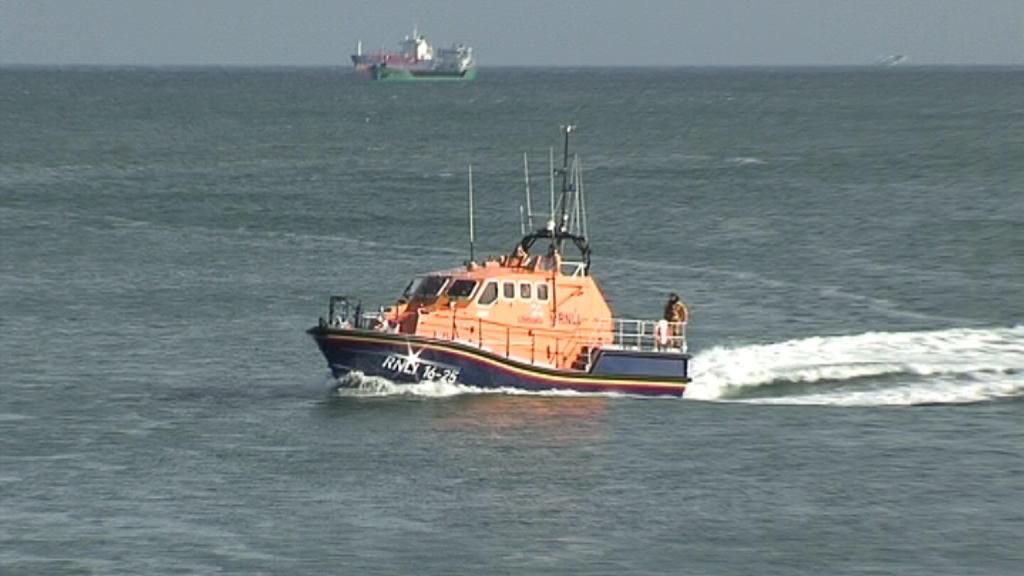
point(521, 66)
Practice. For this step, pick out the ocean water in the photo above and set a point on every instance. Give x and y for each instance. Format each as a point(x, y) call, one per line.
point(850, 243)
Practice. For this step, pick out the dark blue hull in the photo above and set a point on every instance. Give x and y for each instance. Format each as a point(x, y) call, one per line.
point(404, 358)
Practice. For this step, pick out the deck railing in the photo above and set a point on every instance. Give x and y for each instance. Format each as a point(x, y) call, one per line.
point(521, 342)
point(649, 335)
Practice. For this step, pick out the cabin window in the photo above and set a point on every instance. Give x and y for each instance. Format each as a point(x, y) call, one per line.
point(489, 294)
point(542, 292)
point(525, 291)
point(508, 290)
point(425, 286)
point(462, 289)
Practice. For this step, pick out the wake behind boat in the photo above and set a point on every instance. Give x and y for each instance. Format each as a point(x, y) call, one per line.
point(526, 320)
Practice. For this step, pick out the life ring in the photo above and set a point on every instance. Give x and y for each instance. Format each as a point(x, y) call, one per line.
point(662, 333)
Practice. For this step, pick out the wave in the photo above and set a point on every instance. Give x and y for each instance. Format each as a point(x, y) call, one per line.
point(960, 365)
point(745, 161)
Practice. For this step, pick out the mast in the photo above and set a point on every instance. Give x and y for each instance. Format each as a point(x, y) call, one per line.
point(570, 205)
point(526, 177)
point(576, 225)
point(582, 198)
point(567, 128)
point(471, 236)
point(551, 182)
point(562, 221)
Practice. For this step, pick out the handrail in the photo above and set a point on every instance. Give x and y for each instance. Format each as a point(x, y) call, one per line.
point(618, 333)
point(649, 335)
point(572, 268)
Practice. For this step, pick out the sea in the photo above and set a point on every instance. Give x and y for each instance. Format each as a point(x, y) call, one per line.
point(850, 243)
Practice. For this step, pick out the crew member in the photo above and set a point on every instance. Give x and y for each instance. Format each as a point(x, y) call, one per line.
point(551, 261)
point(518, 257)
point(676, 313)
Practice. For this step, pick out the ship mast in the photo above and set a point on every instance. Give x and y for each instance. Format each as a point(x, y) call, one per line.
point(472, 235)
point(562, 220)
point(559, 229)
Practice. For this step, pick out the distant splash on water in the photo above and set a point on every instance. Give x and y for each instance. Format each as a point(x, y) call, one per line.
point(961, 365)
point(954, 366)
point(745, 161)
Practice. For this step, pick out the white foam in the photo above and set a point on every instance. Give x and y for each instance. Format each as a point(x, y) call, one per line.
point(12, 417)
point(360, 385)
point(945, 366)
point(745, 161)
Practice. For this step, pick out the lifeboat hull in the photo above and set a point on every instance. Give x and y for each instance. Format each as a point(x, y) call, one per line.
point(409, 359)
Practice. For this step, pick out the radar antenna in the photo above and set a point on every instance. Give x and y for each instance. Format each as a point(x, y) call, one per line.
point(559, 228)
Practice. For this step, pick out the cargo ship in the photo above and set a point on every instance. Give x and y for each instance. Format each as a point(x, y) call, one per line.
point(417, 60)
point(891, 60)
point(529, 320)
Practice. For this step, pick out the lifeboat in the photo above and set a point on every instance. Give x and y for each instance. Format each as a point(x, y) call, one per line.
point(532, 319)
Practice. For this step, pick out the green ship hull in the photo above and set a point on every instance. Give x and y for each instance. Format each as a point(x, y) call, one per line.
point(411, 75)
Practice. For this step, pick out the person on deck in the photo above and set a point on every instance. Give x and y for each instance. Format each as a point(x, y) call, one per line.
point(676, 314)
point(551, 261)
point(519, 257)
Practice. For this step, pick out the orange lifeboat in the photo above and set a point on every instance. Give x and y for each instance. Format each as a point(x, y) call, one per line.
point(529, 319)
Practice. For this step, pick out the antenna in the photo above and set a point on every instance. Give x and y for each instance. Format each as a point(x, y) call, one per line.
point(583, 197)
point(567, 128)
point(568, 217)
point(526, 177)
point(551, 181)
point(471, 236)
point(564, 198)
point(577, 209)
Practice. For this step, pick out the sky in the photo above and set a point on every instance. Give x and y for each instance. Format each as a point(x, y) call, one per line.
point(513, 32)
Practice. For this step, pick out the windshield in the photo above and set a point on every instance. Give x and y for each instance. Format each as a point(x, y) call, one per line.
point(461, 289)
point(425, 287)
